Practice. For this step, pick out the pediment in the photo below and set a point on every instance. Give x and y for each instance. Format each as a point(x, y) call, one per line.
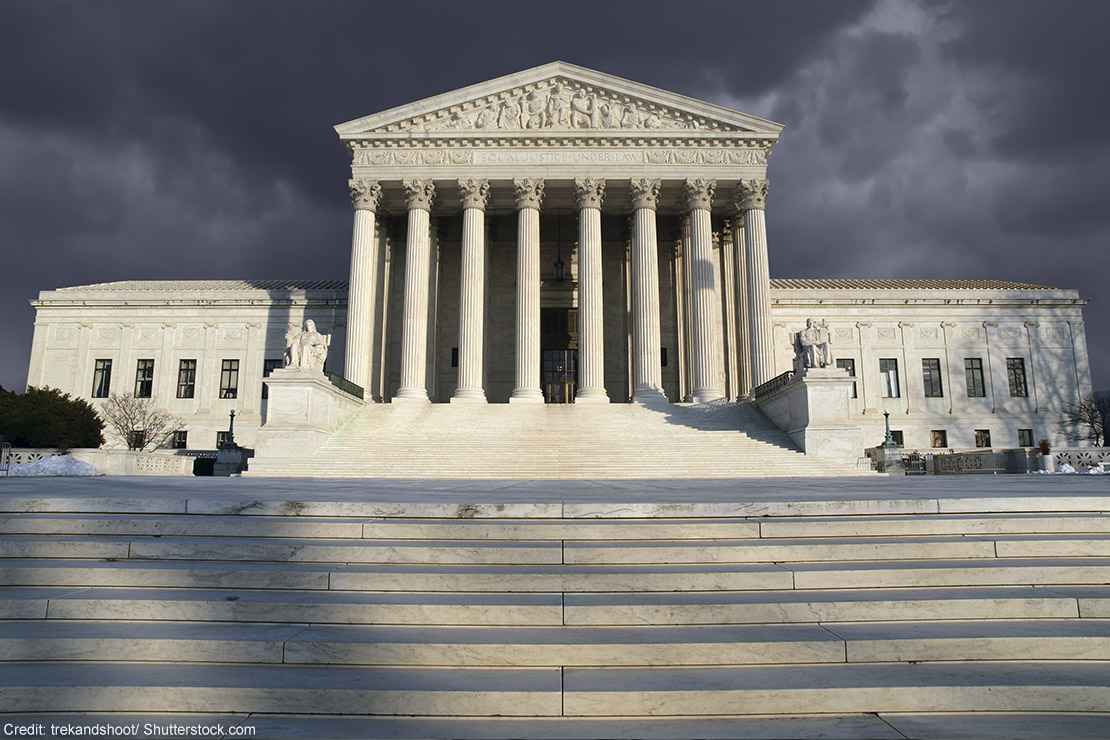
point(557, 98)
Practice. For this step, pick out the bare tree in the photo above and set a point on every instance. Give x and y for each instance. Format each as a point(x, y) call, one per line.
point(1086, 420)
point(138, 423)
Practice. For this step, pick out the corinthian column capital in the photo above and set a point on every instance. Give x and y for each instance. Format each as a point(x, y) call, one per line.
point(474, 193)
point(365, 194)
point(419, 194)
point(529, 192)
point(751, 195)
point(645, 192)
point(589, 192)
point(699, 193)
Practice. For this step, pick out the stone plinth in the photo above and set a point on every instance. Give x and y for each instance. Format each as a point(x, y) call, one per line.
point(814, 408)
point(304, 410)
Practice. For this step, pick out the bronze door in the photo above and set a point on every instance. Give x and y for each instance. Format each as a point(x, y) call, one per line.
point(559, 358)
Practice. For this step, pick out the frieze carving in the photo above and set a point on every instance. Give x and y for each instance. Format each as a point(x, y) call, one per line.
point(723, 157)
point(887, 333)
point(843, 335)
point(557, 104)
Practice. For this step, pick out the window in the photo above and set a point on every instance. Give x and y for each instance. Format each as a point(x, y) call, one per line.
point(102, 379)
point(982, 437)
point(850, 365)
point(229, 379)
point(221, 440)
point(179, 440)
point(940, 438)
point(454, 357)
point(186, 378)
point(663, 359)
point(144, 378)
point(930, 376)
point(136, 439)
point(1015, 372)
point(1025, 438)
point(973, 369)
point(268, 366)
point(888, 371)
point(896, 435)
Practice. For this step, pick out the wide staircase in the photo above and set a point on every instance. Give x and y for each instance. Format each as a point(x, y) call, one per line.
point(577, 441)
point(885, 616)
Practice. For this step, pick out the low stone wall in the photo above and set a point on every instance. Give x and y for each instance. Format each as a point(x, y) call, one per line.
point(1082, 458)
point(115, 462)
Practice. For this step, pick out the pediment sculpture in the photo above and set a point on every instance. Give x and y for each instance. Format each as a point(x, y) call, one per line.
point(811, 346)
point(306, 349)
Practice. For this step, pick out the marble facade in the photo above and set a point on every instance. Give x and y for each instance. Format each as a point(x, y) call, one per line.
point(464, 207)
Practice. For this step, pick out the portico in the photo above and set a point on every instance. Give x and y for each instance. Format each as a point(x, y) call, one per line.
point(621, 181)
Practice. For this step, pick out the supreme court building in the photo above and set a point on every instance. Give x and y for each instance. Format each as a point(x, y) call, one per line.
point(557, 236)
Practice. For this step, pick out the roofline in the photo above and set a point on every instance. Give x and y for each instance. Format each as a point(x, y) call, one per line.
point(355, 126)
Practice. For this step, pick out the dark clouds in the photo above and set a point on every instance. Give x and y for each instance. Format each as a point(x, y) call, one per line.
point(192, 139)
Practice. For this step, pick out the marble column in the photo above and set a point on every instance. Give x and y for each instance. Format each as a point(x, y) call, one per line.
point(647, 354)
point(472, 291)
point(529, 196)
point(414, 332)
point(752, 201)
point(365, 197)
point(705, 300)
point(743, 340)
point(591, 320)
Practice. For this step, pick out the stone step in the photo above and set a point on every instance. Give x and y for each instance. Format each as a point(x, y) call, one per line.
point(780, 550)
point(925, 573)
point(853, 605)
point(164, 574)
point(873, 642)
point(885, 726)
point(561, 529)
point(181, 525)
point(282, 606)
point(935, 524)
point(175, 687)
point(865, 687)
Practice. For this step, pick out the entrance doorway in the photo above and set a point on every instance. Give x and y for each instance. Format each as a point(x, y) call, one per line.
point(559, 344)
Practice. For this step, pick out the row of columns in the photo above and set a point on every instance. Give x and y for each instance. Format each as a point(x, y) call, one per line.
point(589, 192)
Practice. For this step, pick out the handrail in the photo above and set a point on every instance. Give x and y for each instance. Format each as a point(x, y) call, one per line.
point(773, 384)
point(346, 386)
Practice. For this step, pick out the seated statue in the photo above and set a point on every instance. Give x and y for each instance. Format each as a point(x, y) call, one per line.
point(811, 346)
point(307, 349)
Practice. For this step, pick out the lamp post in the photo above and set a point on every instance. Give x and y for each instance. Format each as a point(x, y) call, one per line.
point(888, 440)
point(230, 445)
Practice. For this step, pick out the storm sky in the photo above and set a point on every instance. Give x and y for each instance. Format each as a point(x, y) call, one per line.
point(156, 139)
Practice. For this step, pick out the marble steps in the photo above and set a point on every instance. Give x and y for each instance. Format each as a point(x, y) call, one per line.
point(999, 548)
point(243, 642)
point(530, 608)
point(466, 468)
point(539, 692)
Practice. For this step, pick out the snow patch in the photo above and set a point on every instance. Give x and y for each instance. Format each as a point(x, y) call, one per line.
point(64, 465)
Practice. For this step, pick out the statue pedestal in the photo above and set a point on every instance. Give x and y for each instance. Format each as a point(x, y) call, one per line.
point(814, 408)
point(304, 409)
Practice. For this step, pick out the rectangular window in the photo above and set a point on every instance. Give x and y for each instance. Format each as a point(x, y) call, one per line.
point(888, 373)
point(663, 358)
point(848, 364)
point(982, 437)
point(896, 435)
point(454, 357)
point(1025, 438)
point(930, 376)
point(179, 440)
point(221, 440)
point(268, 366)
point(1015, 372)
point(229, 379)
point(940, 438)
point(102, 379)
point(186, 378)
point(973, 370)
point(144, 378)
